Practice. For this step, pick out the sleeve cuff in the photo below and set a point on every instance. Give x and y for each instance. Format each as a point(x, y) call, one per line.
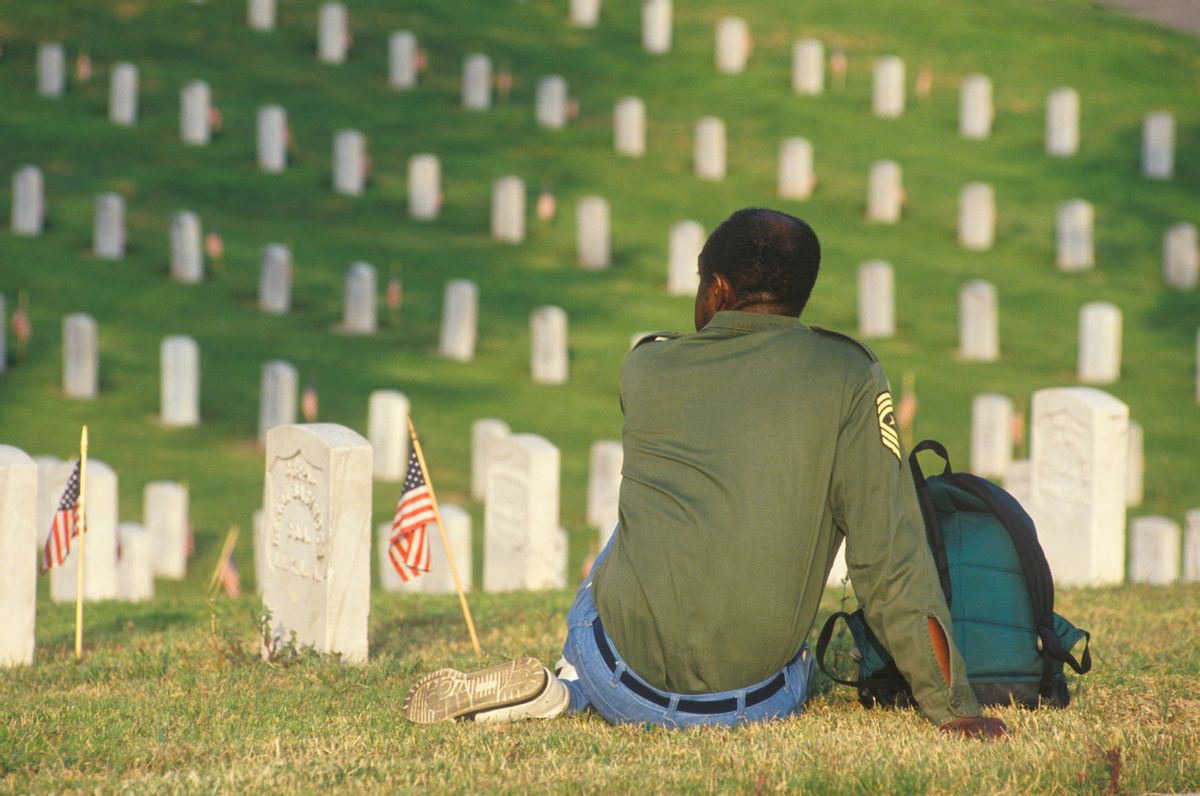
point(944, 705)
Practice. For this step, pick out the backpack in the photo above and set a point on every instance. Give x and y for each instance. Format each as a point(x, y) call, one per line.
point(1001, 597)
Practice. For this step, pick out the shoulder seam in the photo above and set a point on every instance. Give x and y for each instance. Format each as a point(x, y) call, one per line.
point(863, 346)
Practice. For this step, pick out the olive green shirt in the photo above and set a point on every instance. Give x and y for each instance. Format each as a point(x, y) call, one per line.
point(751, 448)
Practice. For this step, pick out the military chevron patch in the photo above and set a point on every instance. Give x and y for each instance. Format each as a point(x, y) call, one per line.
point(887, 423)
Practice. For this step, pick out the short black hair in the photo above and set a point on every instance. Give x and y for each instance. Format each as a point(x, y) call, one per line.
point(768, 257)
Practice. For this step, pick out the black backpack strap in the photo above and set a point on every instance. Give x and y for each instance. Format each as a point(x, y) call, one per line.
point(933, 528)
point(823, 644)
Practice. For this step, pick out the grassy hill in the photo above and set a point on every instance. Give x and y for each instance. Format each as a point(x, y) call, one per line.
point(1122, 70)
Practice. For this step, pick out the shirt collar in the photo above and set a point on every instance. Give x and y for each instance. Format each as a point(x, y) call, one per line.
point(737, 320)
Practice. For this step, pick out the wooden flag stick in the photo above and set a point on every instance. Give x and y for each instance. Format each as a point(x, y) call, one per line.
point(83, 457)
point(437, 516)
point(223, 559)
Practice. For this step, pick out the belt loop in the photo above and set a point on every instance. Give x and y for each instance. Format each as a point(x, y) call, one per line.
point(741, 702)
point(618, 671)
point(670, 715)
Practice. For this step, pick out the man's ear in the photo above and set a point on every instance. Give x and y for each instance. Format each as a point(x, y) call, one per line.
point(721, 293)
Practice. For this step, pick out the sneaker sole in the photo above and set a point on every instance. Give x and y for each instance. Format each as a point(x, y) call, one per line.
point(448, 693)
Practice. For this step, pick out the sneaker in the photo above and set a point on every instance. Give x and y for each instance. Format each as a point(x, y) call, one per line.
point(552, 701)
point(451, 694)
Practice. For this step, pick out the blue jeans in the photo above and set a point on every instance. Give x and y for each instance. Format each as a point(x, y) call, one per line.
point(608, 690)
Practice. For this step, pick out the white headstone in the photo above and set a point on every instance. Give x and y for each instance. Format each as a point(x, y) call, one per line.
point(977, 217)
point(885, 192)
point(549, 363)
point(585, 13)
point(180, 358)
point(1075, 249)
point(29, 201)
point(887, 99)
point(100, 569)
point(275, 280)
point(477, 82)
point(683, 269)
point(260, 14)
point(978, 324)
point(1017, 482)
point(975, 111)
point(656, 26)
point(318, 515)
point(486, 434)
point(1135, 465)
point(260, 550)
point(552, 102)
point(333, 33)
point(838, 572)
point(808, 67)
point(402, 60)
point(523, 545)
point(1078, 483)
point(108, 232)
point(709, 150)
point(876, 299)
point(166, 517)
point(1062, 123)
point(604, 486)
point(1153, 551)
point(1191, 547)
point(194, 102)
point(52, 69)
point(47, 468)
point(1181, 256)
point(123, 95)
point(135, 567)
point(1099, 343)
point(629, 127)
point(277, 396)
point(733, 45)
point(349, 162)
point(387, 430)
point(81, 357)
point(424, 186)
point(593, 238)
point(18, 555)
point(187, 256)
point(361, 301)
point(508, 210)
point(991, 435)
point(272, 139)
point(460, 318)
point(1158, 145)
point(796, 179)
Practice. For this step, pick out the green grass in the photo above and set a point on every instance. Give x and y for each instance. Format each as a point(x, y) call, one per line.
point(150, 708)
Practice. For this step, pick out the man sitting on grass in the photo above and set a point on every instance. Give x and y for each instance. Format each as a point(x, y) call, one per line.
point(751, 449)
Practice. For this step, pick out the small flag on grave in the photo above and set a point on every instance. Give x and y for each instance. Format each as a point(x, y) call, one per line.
point(409, 548)
point(64, 527)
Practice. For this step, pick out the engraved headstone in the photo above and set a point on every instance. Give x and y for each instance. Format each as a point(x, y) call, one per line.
point(51, 69)
point(604, 486)
point(349, 162)
point(1181, 257)
point(978, 322)
point(387, 430)
point(975, 111)
point(1158, 145)
point(808, 67)
point(486, 434)
point(733, 45)
point(165, 515)
point(194, 105)
point(1135, 466)
point(187, 257)
point(709, 150)
point(876, 299)
point(552, 102)
point(508, 210)
point(1062, 123)
point(477, 82)
point(585, 13)
point(123, 95)
point(991, 435)
point(275, 280)
point(1191, 547)
point(549, 363)
point(135, 567)
point(593, 239)
point(1017, 482)
point(656, 26)
point(977, 217)
point(277, 396)
point(260, 14)
point(28, 201)
point(180, 362)
point(683, 270)
point(402, 60)
point(100, 569)
point(796, 179)
point(81, 357)
point(523, 546)
point(361, 300)
point(1078, 483)
point(1075, 248)
point(333, 33)
point(318, 516)
point(424, 186)
point(272, 139)
point(629, 127)
point(460, 314)
point(1153, 551)
point(885, 192)
point(887, 98)
point(1099, 343)
point(18, 552)
point(108, 231)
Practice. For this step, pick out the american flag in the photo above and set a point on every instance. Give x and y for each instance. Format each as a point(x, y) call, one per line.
point(64, 527)
point(409, 548)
